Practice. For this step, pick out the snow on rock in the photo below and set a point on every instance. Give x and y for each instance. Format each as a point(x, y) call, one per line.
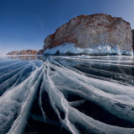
point(99, 31)
point(100, 49)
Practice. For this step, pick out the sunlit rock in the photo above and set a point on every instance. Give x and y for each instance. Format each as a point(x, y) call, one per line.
point(91, 31)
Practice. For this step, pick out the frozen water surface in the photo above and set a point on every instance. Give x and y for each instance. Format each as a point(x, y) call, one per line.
point(67, 95)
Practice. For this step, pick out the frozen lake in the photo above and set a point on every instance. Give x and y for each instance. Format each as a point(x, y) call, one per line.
point(67, 95)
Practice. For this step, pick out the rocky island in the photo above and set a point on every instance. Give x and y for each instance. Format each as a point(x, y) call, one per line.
point(23, 52)
point(97, 34)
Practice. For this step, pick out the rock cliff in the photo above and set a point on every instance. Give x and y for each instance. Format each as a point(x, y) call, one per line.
point(23, 52)
point(91, 34)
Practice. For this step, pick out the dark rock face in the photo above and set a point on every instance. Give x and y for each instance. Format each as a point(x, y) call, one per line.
point(40, 52)
point(23, 52)
point(133, 39)
point(87, 31)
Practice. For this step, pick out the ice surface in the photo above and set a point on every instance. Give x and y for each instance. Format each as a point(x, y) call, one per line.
point(79, 94)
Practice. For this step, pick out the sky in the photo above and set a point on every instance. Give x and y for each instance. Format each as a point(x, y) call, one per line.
point(24, 24)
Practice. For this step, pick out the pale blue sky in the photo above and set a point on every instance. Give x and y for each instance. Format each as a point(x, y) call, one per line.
point(24, 24)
